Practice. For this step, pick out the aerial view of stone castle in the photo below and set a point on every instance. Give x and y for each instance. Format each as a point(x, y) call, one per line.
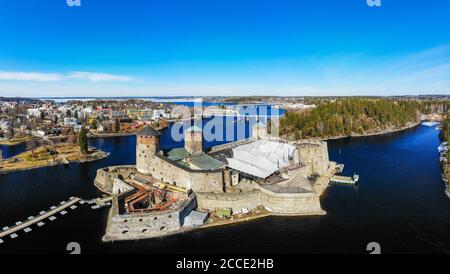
point(193, 131)
point(169, 193)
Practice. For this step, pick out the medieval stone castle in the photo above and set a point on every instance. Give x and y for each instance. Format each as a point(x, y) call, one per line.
point(286, 178)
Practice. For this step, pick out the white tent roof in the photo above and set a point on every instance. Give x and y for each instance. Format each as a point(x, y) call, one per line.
point(261, 158)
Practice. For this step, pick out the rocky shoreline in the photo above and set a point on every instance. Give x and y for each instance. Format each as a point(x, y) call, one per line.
point(11, 143)
point(408, 126)
point(384, 131)
point(444, 167)
point(117, 134)
point(443, 148)
point(109, 135)
point(97, 156)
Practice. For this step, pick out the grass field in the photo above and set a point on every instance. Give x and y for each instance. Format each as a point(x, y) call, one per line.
point(15, 141)
point(48, 156)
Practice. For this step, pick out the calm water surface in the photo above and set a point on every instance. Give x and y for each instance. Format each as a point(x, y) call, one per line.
point(399, 203)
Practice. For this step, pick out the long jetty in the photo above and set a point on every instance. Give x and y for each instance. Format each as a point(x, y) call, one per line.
point(345, 179)
point(11, 231)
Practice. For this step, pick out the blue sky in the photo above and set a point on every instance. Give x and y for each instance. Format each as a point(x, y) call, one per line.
point(218, 47)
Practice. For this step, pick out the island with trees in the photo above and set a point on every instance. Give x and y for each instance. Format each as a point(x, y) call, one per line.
point(350, 117)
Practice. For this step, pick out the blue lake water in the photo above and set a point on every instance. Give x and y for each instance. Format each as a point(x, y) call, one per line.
point(241, 129)
point(400, 203)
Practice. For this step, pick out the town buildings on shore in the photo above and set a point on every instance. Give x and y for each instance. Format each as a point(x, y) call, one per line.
point(43, 118)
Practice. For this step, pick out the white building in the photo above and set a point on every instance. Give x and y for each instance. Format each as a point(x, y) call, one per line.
point(299, 106)
point(263, 157)
point(4, 125)
point(157, 114)
point(70, 121)
point(77, 128)
point(34, 112)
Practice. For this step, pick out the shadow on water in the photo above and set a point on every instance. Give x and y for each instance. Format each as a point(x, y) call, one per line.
point(400, 203)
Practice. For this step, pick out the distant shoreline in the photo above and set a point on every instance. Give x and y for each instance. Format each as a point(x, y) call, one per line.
point(11, 143)
point(108, 135)
point(370, 134)
point(8, 167)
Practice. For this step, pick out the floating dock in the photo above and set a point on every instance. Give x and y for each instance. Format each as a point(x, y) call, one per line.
point(345, 179)
point(11, 231)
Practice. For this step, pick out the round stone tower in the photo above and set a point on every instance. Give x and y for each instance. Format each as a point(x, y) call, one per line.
point(193, 138)
point(147, 145)
point(259, 130)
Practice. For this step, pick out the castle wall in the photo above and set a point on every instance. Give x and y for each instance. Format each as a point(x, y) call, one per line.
point(277, 203)
point(236, 201)
point(291, 203)
point(152, 142)
point(193, 142)
point(325, 157)
point(172, 172)
point(144, 153)
point(314, 154)
point(104, 180)
point(259, 131)
point(146, 225)
point(146, 145)
point(119, 186)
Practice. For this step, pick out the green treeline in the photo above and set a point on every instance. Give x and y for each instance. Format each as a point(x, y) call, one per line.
point(445, 133)
point(445, 137)
point(434, 106)
point(350, 116)
point(82, 141)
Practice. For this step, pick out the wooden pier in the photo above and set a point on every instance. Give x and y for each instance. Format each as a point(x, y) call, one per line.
point(25, 225)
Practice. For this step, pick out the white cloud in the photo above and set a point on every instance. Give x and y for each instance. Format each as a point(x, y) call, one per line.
point(54, 77)
point(30, 76)
point(99, 77)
